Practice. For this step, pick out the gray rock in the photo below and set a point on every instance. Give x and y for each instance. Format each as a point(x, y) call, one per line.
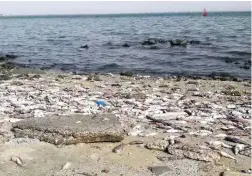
point(119, 148)
point(159, 170)
point(64, 129)
point(178, 42)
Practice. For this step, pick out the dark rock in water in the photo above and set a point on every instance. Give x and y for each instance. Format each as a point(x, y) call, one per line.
point(85, 46)
point(148, 42)
point(236, 63)
point(8, 66)
point(11, 65)
point(153, 41)
point(154, 47)
point(228, 61)
point(159, 170)
point(126, 45)
point(11, 56)
point(128, 73)
point(7, 57)
point(245, 67)
point(221, 76)
point(178, 42)
point(194, 42)
point(71, 129)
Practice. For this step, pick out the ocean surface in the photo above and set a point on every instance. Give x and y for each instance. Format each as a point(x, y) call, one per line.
point(53, 42)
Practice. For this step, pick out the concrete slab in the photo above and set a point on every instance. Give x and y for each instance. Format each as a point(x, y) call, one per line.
point(71, 129)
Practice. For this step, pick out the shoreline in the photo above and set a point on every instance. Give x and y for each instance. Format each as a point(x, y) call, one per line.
point(11, 68)
point(173, 119)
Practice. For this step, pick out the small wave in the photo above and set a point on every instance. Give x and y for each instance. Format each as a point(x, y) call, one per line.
point(109, 66)
point(241, 53)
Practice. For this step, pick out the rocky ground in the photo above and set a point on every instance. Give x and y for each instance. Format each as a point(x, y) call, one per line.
point(166, 126)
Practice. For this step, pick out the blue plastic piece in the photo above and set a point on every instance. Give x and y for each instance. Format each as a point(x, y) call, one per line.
point(100, 103)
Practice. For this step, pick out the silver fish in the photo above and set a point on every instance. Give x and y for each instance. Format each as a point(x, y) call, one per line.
point(17, 160)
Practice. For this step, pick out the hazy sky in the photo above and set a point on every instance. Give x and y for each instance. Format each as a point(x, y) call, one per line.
point(104, 7)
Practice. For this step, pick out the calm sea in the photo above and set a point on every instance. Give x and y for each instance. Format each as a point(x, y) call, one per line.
point(53, 42)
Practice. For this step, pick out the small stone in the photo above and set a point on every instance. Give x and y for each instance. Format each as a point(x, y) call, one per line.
point(105, 171)
point(159, 170)
point(119, 148)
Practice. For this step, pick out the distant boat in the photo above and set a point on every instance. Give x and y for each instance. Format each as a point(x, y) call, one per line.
point(204, 12)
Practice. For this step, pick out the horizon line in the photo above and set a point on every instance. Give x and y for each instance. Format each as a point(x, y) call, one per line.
point(127, 13)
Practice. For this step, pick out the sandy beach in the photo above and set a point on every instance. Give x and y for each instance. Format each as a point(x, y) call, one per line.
point(168, 125)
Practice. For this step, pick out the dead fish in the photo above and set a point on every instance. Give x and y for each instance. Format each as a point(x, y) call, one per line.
point(238, 147)
point(221, 135)
point(17, 160)
point(66, 166)
point(119, 148)
point(174, 131)
point(135, 142)
point(235, 140)
point(226, 155)
point(218, 144)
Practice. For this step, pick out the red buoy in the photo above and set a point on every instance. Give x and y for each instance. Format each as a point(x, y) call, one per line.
point(204, 12)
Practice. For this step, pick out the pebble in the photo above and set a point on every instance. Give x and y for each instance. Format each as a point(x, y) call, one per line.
point(119, 148)
point(159, 170)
